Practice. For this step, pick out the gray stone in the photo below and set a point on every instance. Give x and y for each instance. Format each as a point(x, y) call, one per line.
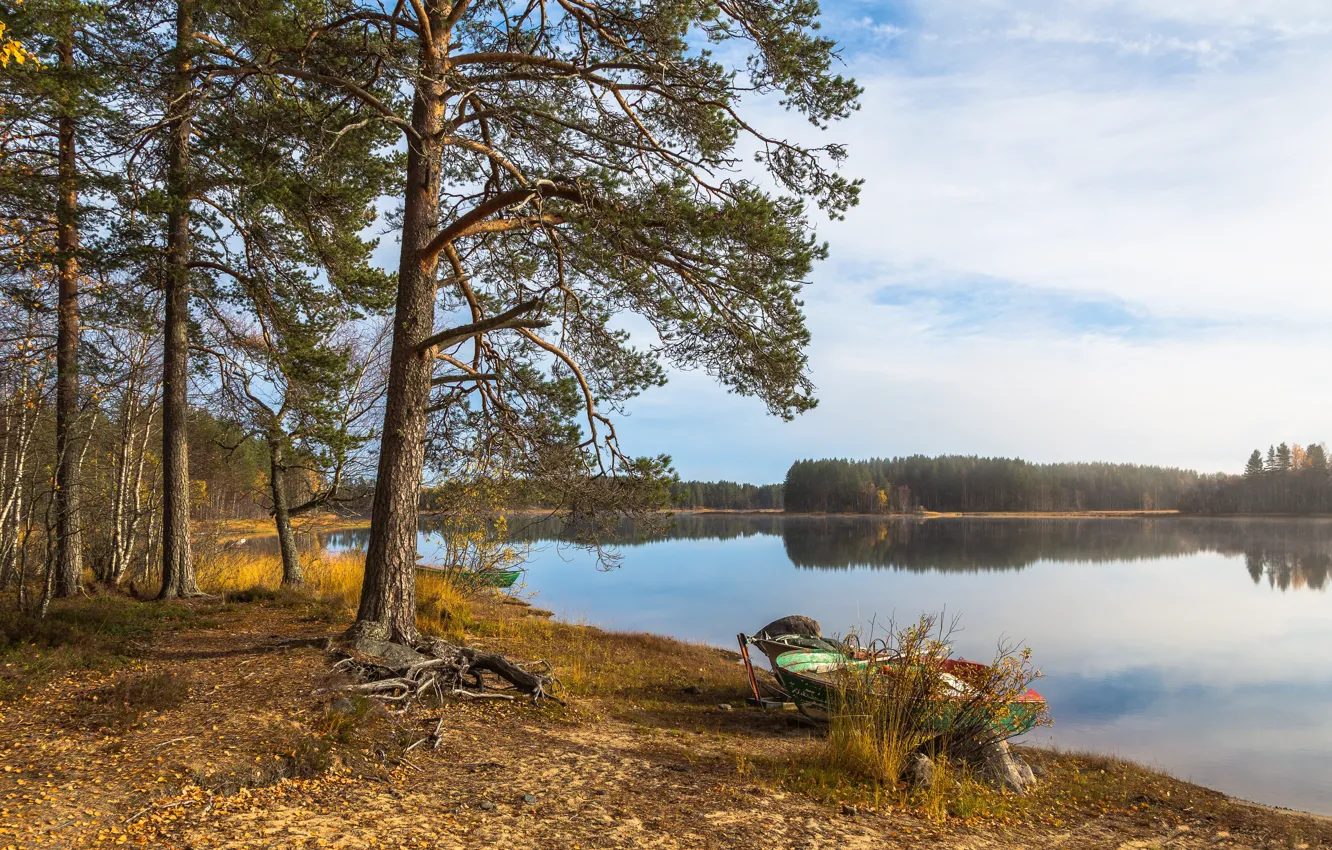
point(920, 771)
point(486, 805)
point(1028, 775)
point(394, 653)
point(998, 765)
point(529, 799)
point(796, 624)
point(724, 706)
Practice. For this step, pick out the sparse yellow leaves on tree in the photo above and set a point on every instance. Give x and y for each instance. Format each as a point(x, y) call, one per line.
point(10, 49)
point(1298, 457)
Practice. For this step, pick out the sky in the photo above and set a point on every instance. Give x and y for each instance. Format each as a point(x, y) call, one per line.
point(1089, 230)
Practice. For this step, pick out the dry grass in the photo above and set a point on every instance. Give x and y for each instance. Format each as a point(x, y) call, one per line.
point(334, 580)
point(223, 530)
point(590, 661)
point(645, 670)
point(882, 716)
point(333, 577)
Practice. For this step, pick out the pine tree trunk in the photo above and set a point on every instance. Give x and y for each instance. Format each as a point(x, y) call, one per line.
point(388, 594)
point(177, 560)
point(69, 539)
point(291, 561)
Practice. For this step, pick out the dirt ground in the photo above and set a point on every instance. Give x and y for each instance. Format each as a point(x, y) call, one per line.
point(245, 756)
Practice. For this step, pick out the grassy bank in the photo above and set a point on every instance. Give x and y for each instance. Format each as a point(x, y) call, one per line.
point(230, 530)
point(192, 724)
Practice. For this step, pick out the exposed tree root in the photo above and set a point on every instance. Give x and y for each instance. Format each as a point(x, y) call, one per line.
point(400, 676)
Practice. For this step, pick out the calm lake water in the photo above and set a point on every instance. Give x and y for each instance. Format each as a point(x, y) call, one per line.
point(1201, 647)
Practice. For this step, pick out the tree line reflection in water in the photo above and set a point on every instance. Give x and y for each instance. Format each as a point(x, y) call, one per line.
point(1287, 554)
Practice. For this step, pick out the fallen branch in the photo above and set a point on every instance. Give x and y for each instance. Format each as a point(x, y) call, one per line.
point(172, 741)
point(141, 812)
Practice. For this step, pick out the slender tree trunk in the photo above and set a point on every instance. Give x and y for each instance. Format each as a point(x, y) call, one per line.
point(49, 564)
point(26, 537)
point(134, 510)
point(120, 493)
point(177, 560)
point(11, 513)
point(7, 438)
point(388, 594)
point(69, 538)
point(291, 561)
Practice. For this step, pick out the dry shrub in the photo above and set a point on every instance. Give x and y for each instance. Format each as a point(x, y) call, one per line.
point(99, 633)
point(915, 697)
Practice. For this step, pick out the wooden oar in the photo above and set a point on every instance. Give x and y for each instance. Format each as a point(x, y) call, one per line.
point(749, 668)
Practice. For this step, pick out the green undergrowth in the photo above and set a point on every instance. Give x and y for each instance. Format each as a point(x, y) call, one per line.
point(97, 633)
point(1071, 787)
point(316, 609)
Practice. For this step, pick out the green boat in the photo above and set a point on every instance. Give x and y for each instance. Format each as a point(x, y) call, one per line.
point(502, 579)
point(811, 678)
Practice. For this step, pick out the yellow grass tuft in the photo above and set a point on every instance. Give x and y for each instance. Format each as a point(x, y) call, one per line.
point(331, 576)
point(441, 608)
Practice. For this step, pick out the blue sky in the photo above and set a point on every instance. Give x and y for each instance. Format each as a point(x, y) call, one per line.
point(1090, 230)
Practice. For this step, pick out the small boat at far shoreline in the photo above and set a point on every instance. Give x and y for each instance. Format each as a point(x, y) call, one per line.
point(502, 579)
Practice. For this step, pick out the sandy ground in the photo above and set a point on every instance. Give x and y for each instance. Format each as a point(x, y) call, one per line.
point(214, 772)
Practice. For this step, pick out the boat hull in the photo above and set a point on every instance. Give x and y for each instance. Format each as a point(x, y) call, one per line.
point(804, 676)
point(501, 579)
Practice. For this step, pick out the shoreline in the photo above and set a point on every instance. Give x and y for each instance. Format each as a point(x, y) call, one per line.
point(656, 731)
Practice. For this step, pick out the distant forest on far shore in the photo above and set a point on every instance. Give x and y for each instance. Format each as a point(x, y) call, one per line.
point(1287, 479)
point(725, 496)
point(967, 483)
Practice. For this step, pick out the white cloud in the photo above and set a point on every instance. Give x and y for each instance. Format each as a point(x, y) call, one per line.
point(1200, 192)
point(1208, 193)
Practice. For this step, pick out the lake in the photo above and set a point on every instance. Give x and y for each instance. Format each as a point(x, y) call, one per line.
point(1200, 647)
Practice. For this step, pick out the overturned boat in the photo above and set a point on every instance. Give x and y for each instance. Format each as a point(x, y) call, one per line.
point(819, 680)
point(502, 579)
point(819, 674)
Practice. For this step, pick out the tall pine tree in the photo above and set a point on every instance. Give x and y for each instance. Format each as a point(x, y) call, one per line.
point(567, 162)
point(1254, 467)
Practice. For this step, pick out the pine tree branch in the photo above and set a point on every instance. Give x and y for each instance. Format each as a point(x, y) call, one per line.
point(511, 318)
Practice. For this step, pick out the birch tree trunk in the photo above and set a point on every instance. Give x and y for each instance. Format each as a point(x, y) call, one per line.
point(120, 492)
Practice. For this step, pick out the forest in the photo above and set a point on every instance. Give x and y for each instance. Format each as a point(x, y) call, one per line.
point(278, 258)
point(725, 495)
point(1287, 479)
point(968, 483)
